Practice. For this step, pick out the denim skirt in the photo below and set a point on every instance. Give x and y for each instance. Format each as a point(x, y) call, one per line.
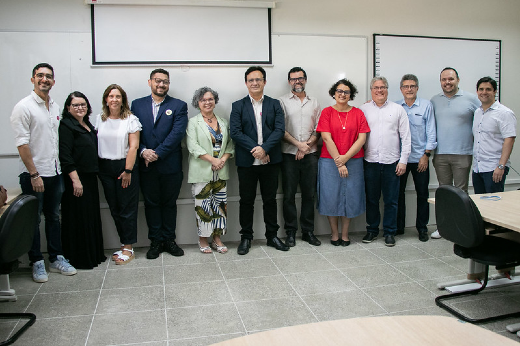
point(341, 196)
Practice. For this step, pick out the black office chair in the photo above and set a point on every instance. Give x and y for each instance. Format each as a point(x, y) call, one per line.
point(459, 221)
point(17, 225)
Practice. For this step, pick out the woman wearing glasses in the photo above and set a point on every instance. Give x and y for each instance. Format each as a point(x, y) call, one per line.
point(341, 186)
point(210, 147)
point(81, 233)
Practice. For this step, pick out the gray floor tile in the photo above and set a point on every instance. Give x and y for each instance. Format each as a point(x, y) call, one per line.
point(185, 273)
point(427, 269)
point(20, 305)
point(333, 306)
point(405, 296)
point(7, 329)
point(128, 327)
point(301, 248)
point(133, 277)
point(320, 282)
point(196, 293)
point(373, 276)
point(52, 332)
point(400, 253)
point(203, 321)
point(256, 251)
point(431, 285)
point(266, 287)
point(455, 261)
point(274, 313)
point(437, 247)
point(350, 259)
point(203, 341)
point(432, 310)
point(302, 264)
point(248, 268)
point(482, 306)
point(131, 299)
point(192, 255)
point(21, 281)
point(64, 304)
point(82, 281)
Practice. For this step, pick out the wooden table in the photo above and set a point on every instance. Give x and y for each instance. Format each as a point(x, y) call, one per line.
point(372, 331)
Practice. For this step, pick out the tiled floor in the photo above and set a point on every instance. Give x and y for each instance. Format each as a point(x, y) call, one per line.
point(201, 299)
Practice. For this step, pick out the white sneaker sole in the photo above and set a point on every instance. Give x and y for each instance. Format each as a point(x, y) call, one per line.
point(55, 270)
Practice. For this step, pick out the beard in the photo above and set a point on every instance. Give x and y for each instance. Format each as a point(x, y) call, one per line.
point(298, 88)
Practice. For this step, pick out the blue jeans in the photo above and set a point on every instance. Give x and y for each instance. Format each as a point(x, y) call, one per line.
point(48, 202)
point(421, 181)
point(483, 182)
point(381, 178)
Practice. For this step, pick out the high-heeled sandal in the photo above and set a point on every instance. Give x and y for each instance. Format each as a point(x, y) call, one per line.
point(220, 248)
point(204, 249)
point(124, 259)
point(118, 253)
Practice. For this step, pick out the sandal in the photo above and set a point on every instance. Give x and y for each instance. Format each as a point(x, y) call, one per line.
point(220, 248)
point(118, 253)
point(124, 259)
point(204, 249)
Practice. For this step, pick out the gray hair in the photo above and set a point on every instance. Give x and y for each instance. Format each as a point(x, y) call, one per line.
point(411, 77)
point(199, 95)
point(378, 78)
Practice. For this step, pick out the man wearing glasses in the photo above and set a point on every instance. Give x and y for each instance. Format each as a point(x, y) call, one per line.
point(164, 120)
point(300, 159)
point(257, 127)
point(386, 153)
point(424, 140)
point(35, 120)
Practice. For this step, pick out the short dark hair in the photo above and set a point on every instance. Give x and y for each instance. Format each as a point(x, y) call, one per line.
point(488, 80)
point(450, 68)
point(159, 70)
point(199, 94)
point(353, 89)
point(296, 69)
point(253, 69)
point(40, 65)
point(411, 77)
point(68, 102)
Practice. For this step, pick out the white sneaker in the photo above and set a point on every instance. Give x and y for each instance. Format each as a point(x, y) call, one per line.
point(436, 235)
point(39, 274)
point(62, 265)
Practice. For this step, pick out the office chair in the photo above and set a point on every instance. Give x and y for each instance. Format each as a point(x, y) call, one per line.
point(17, 225)
point(459, 221)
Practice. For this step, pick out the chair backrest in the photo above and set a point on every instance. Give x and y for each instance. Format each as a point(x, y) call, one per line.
point(17, 225)
point(458, 218)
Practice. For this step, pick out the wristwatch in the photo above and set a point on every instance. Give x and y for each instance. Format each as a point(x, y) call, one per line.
point(428, 154)
point(500, 166)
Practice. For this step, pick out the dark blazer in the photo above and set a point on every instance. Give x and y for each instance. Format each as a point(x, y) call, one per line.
point(165, 135)
point(243, 130)
point(78, 147)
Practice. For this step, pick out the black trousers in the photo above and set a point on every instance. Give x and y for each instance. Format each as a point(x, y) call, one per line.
point(248, 179)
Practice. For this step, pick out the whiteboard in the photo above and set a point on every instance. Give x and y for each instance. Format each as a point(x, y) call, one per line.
point(425, 57)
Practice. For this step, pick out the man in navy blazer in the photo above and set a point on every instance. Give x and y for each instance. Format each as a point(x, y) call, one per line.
point(257, 126)
point(164, 120)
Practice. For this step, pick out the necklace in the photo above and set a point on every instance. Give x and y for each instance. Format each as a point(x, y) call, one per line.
point(210, 120)
point(346, 117)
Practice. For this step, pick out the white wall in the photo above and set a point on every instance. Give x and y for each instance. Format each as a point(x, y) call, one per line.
point(461, 18)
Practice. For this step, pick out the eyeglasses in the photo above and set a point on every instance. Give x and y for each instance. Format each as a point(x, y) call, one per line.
point(344, 92)
point(380, 88)
point(158, 81)
point(406, 87)
point(299, 79)
point(255, 80)
point(210, 100)
point(79, 105)
point(43, 75)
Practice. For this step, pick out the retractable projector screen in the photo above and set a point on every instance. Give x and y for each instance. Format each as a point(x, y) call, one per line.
point(133, 34)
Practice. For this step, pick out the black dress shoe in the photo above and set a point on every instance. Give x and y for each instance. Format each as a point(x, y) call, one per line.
point(336, 242)
point(277, 244)
point(290, 240)
point(243, 247)
point(423, 236)
point(389, 240)
point(369, 237)
point(399, 232)
point(345, 242)
point(156, 247)
point(310, 238)
point(171, 247)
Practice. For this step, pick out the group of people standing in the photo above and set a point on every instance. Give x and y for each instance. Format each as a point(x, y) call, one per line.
point(366, 151)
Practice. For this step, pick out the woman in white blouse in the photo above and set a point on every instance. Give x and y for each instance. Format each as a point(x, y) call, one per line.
point(118, 140)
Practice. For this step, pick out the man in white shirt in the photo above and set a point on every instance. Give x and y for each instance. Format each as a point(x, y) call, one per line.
point(387, 148)
point(35, 121)
point(300, 157)
point(494, 130)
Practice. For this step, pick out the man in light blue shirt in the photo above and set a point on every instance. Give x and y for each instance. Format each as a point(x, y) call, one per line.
point(494, 129)
point(424, 140)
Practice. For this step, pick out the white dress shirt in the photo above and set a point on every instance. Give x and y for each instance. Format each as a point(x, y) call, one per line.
point(257, 107)
point(113, 136)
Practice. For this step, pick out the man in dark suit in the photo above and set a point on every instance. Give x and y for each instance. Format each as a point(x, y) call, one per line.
point(257, 125)
point(164, 120)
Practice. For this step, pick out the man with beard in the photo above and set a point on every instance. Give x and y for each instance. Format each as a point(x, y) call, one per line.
point(164, 120)
point(35, 120)
point(454, 110)
point(300, 157)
